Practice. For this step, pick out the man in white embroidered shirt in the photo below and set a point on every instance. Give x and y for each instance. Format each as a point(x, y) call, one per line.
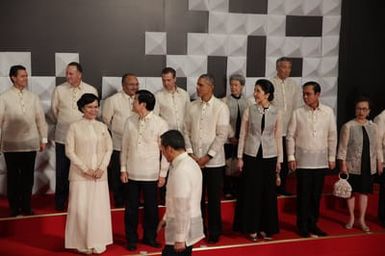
point(23, 132)
point(206, 131)
point(182, 219)
point(116, 109)
point(141, 168)
point(171, 101)
point(64, 112)
point(311, 148)
point(287, 97)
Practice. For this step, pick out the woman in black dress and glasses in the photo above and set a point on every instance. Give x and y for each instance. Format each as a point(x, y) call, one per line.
point(360, 155)
point(259, 158)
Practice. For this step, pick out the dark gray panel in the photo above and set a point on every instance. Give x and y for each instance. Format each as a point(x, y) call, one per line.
point(296, 68)
point(217, 66)
point(182, 82)
point(303, 26)
point(179, 21)
point(109, 35)
point(256, 56)
point(248, 6)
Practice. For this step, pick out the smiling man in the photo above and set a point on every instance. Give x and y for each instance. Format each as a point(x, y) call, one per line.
point(23, 132)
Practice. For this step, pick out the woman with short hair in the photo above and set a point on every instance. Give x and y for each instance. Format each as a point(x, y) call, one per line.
point(89, 147)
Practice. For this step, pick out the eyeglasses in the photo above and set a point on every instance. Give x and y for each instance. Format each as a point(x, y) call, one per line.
point(362, 109)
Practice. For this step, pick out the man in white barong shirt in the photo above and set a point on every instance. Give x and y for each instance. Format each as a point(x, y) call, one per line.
point(311, 149)
point(287, 97)
point(182, 219)
point(207, 121)
point(142, 168)
point(116, 109)
point(64, 112)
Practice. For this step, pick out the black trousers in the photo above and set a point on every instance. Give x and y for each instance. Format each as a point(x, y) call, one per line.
point(150, 218)
point(212, 188)
point(309, 188)
point(284, 168)
point(114, 181)
point(168, 250)
point(62, 171)
point(20, 178)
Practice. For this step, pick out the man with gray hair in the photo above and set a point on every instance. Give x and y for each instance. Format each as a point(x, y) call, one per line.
point(287, 97)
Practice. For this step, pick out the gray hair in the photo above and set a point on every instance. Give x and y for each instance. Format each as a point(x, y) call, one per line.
point(238, 77)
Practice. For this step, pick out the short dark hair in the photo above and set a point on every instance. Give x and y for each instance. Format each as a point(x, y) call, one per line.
point(238, 77)
point(85, 99)
point(145, 96)
point(363, 99)
point(127, 75)
point(14, 69)
point(174, 139)
point(209, 78)
point(282, 59)
point(314, 84)
point(77, 65)
point(267, 87)
point(167, 70)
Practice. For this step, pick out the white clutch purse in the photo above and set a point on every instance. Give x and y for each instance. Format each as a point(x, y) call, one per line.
point(342, 187)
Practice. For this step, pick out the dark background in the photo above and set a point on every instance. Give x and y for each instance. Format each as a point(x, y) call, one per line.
point(362, 57)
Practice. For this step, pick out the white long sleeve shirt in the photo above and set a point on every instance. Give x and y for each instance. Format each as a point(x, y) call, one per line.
point(116, 110)
point(206, 129)
point(140, 155)
point(312, 137)
point(64, 107)
point(184, 190)
point(22, 122)
point(172, 107)
point(287, 97)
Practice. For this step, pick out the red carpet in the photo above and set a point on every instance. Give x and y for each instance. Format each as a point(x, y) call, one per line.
point(43, 234)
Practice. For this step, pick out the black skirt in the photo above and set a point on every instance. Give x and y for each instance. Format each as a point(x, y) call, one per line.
point(363, 183)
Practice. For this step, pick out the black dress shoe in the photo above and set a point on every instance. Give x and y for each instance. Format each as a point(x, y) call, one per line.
point(303, 233)
point(59, 208)
point(27, 212)
point(317, 231)
point(284, 192)
point(151, 243)
point(131, 246)
point(15, 213)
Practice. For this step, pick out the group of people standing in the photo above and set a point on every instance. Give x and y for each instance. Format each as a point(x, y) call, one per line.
point(149, 140)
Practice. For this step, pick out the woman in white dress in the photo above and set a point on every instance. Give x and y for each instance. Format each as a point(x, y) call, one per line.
point(89, 147)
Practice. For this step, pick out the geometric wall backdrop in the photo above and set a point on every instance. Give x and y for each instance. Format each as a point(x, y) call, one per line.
point(307, 30)
point(193, 36)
